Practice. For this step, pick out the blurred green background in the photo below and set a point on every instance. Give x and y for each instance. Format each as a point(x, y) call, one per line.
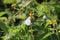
point(29, 19)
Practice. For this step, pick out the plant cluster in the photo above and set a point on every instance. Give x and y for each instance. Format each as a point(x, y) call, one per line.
point(30, 20)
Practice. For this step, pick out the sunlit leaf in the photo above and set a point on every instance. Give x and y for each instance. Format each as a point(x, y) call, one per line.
point(9, 2)
point(2, 13)
point(47, 35)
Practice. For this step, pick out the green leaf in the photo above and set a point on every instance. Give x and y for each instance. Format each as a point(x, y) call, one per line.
point(18, 1)
point(3, 27)
point(9, 2)
point(40, 14)
point(23, 26)
point(3, 19)
point(47, 35)
point(2, 13)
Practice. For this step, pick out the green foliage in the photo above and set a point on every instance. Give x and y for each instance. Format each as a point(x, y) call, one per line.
point(8, 2)
point(30, 20)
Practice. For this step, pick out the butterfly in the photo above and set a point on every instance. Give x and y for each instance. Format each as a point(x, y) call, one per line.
point(28, 21)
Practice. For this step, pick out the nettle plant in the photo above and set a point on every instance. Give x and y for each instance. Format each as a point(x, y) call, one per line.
point(29, 20)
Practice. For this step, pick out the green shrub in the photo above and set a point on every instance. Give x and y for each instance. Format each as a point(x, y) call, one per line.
point(30, 20)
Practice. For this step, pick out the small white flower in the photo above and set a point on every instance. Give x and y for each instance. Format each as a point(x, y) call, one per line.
point(27, 21)
point(44, 17)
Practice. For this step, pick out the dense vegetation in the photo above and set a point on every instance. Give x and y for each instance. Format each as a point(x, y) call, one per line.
point(29, 19)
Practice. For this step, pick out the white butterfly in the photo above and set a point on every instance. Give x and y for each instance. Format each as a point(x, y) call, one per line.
point(44, 17)
point(28, 21)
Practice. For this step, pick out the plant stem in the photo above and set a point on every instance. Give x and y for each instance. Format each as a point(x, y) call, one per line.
point(32, 36)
